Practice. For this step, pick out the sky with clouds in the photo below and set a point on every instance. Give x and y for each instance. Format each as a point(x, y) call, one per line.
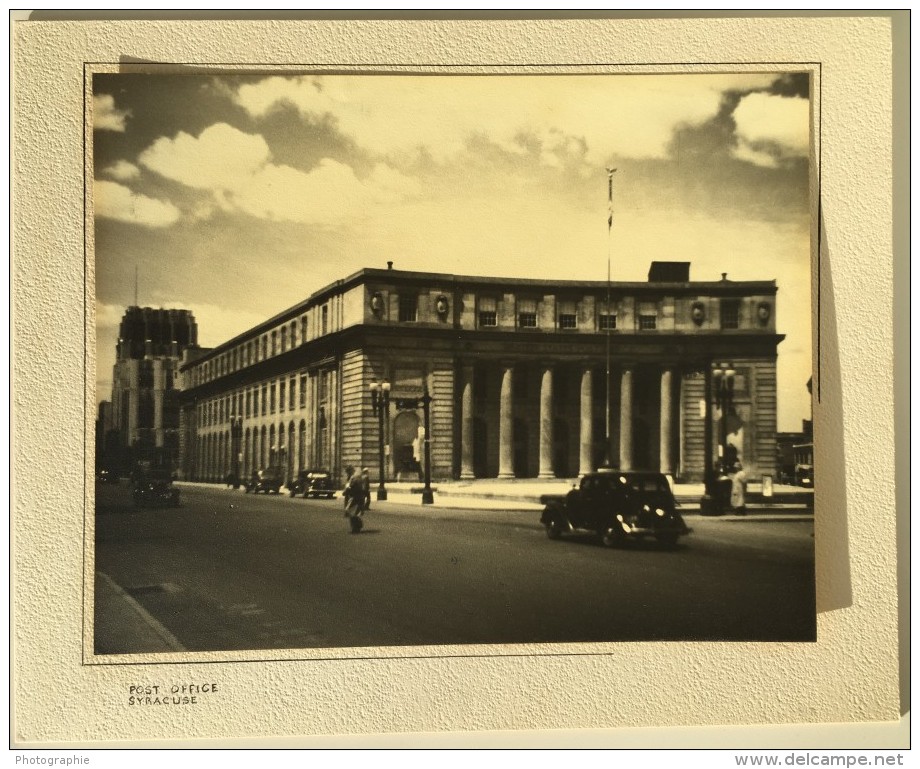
point(237, 196)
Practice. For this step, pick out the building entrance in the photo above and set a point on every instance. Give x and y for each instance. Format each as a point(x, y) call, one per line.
point(405, 434)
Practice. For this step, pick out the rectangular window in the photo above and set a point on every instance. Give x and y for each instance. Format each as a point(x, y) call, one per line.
point(303, 329)
point(303, 391)
point(264, 342)
point(488, 312)
point(271, 398)
point(323, 386)
point(730, 313)
point(284, 339)
point(566, 314)
point(264, 399)
point(248, 403)
point(145, 374)
point(527, 313)
point(607, 322)
point(408, 309)
point(145, 410)
point(281, 399)
point(292, 387)
point(648, 316)
point(325, 319)
point(274, 342)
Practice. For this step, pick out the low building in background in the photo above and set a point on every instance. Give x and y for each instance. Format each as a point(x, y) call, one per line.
point(528, 378)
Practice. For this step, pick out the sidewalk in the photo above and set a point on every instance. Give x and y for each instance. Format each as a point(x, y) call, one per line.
point(524, 495)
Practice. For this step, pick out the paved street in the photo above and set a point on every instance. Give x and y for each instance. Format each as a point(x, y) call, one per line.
point(229, 570)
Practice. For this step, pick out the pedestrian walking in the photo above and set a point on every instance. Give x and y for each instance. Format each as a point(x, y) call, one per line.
point(356, 497)
point(739, 478)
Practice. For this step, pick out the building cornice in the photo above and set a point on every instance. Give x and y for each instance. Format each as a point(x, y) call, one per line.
point(451, 282)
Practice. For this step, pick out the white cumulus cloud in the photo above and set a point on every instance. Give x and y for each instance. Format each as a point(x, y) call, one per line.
point(770, 127)
point(603, 115)
point(221, 158)
point(236, 169)
point(122, 170)
point(106, 116)
point(115, 201)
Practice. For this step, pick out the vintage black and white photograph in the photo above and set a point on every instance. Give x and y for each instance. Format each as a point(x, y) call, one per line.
point(450, 360)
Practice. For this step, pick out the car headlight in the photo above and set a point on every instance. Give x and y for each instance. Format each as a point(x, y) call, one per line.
point(659, 512)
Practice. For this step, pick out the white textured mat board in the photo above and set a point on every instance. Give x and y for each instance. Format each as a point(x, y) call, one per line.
point(61, 695)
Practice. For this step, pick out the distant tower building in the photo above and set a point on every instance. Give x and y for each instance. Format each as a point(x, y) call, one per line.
point(145, 403)
point(103, 431)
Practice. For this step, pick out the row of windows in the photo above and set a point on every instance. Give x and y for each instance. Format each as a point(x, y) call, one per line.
point(268, 398)
point(278, 341)
point(287, 337)
point(566, 314)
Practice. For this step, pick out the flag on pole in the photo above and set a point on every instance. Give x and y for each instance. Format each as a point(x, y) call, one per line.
point(610, 173)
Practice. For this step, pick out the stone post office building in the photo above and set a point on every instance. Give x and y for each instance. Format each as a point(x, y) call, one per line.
point(518, 370)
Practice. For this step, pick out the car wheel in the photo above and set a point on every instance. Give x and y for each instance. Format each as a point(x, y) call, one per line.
point(667, 538)
point(611, 537)
point(553, 528)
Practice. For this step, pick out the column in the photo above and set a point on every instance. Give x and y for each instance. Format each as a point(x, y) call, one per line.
point(158, 392)
point(626, 444)
point(294, 448)
point(586, 433)
point(466, 425)
point(546, 425)
point(665, 454)
point(506, 425)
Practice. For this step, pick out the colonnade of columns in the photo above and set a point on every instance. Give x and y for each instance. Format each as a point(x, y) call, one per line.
point(547, 469)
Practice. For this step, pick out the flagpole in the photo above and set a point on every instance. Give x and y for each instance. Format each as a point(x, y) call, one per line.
point(608, 448)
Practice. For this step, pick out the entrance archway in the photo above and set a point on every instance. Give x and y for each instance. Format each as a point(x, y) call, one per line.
point(405, 432)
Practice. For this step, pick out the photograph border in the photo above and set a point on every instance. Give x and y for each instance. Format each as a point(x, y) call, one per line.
point(412, 651)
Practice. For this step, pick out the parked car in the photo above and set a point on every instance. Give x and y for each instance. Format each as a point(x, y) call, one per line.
point(805, 476)
point(618, 506)
point(154, 488)
point(313, 483)
point(268, 479)
point(106, 476)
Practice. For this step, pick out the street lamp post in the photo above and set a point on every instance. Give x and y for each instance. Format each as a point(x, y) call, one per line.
point(720, 388)
point(723, 384)
point(427, 493)
point(380, 401)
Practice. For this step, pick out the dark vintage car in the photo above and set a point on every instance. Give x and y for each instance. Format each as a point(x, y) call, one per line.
point(154, 488)
point(618, 506)
point(313, 483)
point(268, 479)
point(805, 476)
point(106, 476)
